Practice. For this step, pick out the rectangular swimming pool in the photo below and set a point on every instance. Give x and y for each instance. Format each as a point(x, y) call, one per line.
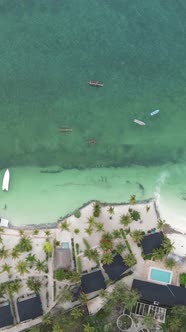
point(158, 275)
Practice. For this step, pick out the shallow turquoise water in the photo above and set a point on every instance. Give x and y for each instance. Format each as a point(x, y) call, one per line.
point(160, 275)
point(49, 50)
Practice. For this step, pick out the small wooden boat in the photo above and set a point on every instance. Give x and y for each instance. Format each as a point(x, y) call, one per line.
point(154, 112)
point(95, 83)
point(6, 180)
point(141, 123)
point(91, 141)
point(65, 130)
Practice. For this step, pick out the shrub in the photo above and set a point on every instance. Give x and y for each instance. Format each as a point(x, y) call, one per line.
point(182, 279)
point(77, 214)
point(79, 266)
point(77, 248)
point(76, 230)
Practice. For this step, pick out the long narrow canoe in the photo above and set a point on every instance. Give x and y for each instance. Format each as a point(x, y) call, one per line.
point(141, 123)
point(154, 112)
point(6, 180)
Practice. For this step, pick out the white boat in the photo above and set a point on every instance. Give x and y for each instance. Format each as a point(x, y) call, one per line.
point(4, 222)
point(154, 112)
point(141, 123)
point(6, 180)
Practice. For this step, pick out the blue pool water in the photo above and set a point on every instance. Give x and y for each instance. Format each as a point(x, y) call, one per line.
point(160, 275)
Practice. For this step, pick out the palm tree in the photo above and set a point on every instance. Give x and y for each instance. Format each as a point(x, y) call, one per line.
point(137, 235)
point(47, 232)
point(83, 298)
point(158, 254)
point(129, 260)
point(147, 208)
point(14, 287)
point(1, 229)
point(25, 244)
point(103, 293)
point(96, 209)
point(131, 297)
point(65, 226)
point(120, 247)
point(21, 267)
point(91, 221)
point(88, 328)
point(106, 241)
point(132, 199)
point(64, 295)
point(6, 268)
point(57, 328)
point(40, 265)
point(21, 232)
point(89, 230)
point(3, 252)
point(149, 321)
point(1, 240)
point(76, 313)
point(92, 254)
point(167, 246)
point(121, 295)
point(15, 253)
point(34, 285)
point(111, 211)
point(30, 259)
point(116, 234)
point(47, 320)
point(125, 219)
point(170, 263)
point(135, 215)
point(35, 329)
point(35, 231)
point(99, 226)
point(160, 224)
point(107, 258)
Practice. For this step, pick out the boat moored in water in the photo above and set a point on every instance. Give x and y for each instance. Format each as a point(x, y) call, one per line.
point(91, 141)
point(6, 180)
point(141, 123)
point(65, 130)
point(95, 83)
point(154, 112)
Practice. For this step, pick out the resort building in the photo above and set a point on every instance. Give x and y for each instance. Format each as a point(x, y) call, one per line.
point(160, 295)
point(92, 282)
point(151, 241)
point(6, 318)
point(29, 307)
point(116, 269)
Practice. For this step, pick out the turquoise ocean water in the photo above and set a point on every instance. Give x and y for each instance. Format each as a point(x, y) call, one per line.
point(50, 49)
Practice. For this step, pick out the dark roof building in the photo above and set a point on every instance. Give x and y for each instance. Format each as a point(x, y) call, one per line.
point(29, 308)
point(92, 282)
point(151, 241)
point(165, 295)
point(6, 317)
point(116, 268)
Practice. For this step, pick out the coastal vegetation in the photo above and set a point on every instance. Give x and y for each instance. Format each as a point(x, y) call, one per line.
point(111, 211)
point(182, 279)
point(77, 213)
point(96, 209)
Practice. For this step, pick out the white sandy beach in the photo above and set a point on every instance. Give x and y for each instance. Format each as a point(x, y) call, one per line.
point(36, 198)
